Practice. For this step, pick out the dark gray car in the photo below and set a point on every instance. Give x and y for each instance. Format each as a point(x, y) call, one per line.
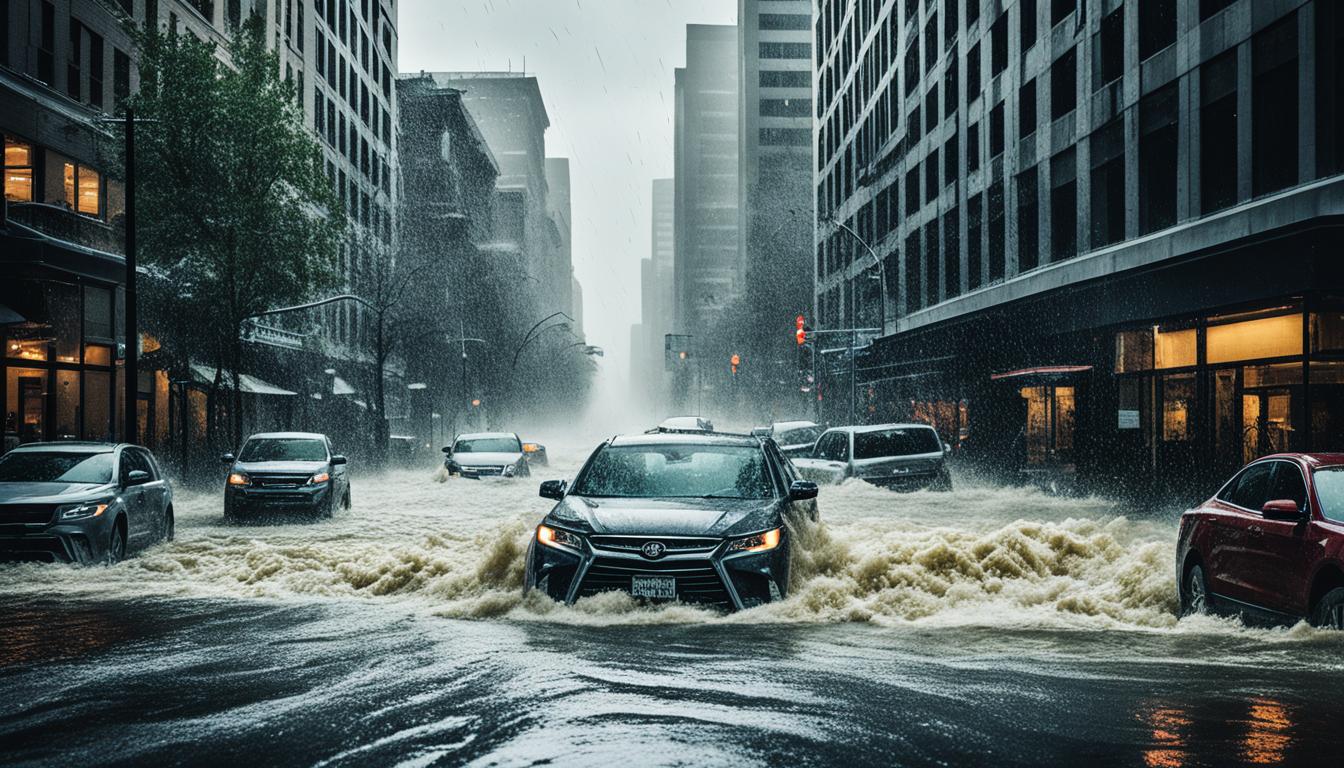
point(81, 502)
point(285, 472)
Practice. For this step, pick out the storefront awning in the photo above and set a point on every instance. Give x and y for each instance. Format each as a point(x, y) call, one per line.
point(204, 374)
point(1043, 371)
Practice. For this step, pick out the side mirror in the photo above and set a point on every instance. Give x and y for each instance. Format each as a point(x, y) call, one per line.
point(802, 490)
point(137, 477)
point(338, 460)
point(227, 458)
point(448, 449)
point(1282, 509)
point(553, 489)
point(947, 449)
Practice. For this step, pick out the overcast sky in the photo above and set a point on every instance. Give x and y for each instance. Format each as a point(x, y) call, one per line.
point(606, 74)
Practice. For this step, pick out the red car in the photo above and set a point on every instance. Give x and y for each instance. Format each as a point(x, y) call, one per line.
point(1270, 543)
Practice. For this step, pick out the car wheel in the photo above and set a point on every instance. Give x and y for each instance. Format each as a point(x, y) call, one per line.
point(1195, 596)
point(116, 544)
point(345, 500)
point(1329, 610)
point(169, 525)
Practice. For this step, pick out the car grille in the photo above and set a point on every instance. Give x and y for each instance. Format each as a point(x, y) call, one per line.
point(483, 471)
point(697, 581)
point(635, 543)
point(279, 481)
point(19, 514)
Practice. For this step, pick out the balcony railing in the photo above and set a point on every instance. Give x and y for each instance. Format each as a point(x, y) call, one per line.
point(64, 224)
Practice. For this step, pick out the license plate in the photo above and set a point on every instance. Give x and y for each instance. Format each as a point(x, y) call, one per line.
point(656, 587)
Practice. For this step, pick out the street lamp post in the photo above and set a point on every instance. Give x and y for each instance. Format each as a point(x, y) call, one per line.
point(877, 262)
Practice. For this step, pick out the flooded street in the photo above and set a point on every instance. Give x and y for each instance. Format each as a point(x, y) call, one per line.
point(992, 624)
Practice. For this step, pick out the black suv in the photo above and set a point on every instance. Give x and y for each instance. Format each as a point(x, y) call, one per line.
point(81, 502)
point(283, 472)
point(697, 517)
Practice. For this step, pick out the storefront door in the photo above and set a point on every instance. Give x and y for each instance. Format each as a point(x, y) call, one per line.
point(32, 409)
point(1266, 419)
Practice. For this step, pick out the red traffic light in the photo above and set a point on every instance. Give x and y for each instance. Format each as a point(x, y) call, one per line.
point(801, 336)
point(800, 321)
point(736, 360)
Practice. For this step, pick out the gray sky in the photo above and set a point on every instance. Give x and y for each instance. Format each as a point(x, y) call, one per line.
point(605, 69)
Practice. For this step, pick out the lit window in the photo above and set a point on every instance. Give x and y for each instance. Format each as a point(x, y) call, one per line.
point(1174, 349)
point(18, 171)
point(1255, 339)
point(83, 188)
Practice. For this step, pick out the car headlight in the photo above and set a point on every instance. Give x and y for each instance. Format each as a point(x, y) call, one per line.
point(558, 538)
point(81, 511)
point(238, 478)
point(759, 542)
point(320, 477)
point(510, 470)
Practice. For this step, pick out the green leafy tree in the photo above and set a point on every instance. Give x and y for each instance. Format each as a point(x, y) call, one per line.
point(235, 215)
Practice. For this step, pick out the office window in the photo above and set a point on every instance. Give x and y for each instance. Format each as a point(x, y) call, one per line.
point(776, 78)
point(1060, 10)
point(1157, 159)
point(914, 298)
point(1208, 8)
point(233, 13)
point(951, 254)
point(151, 14)
point(973, 223)
point(912, 191)
point(1108, 53)
point(951, 98)
point(798, 107)
point(1218, 133)
point(4, 33)
point(973, 73)
point(1157, 26)
point(74, 60)
point(931, 185)
point(786, 137)
point(1107, 148)
point(46, 52)
point(1064, 84)
point(83, 188)
point(1028, 222)
point(998, 45)
point(996, 130)
point(950, 22)
point(786, 21)
point(96, 70)
point(1063, 205)
point(997, 256)
point(931, 259)
point(912, 67)
point(1274, 107)
point(1028, 23)
point(972, 12)
point(973, 147)
point(1330, 91)
point(1026, 109)
point(950, 160)
point(931, 42)
point(18, 170)
point(786, 51)
point(931, 110)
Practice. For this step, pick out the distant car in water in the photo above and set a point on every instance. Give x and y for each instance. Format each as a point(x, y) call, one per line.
point(486, 454)
point(285, 473)
point(685, 424)
point(794, 438)
point(81, 502)
point(1269, 544)
point(535, 453)
point(895, 456)
point(703, 519)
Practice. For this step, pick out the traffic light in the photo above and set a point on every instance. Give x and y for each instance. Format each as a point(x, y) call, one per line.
point(801, 333)
point(735, 361)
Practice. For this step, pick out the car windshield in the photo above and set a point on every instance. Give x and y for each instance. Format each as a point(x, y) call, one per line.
point(488, 445)
point(1330, 490)
point(284, 449)
point(677, 471)
point(798, 436)
point(55, 467)
point(896, 442)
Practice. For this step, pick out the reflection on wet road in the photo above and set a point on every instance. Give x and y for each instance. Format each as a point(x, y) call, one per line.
point(990, 625)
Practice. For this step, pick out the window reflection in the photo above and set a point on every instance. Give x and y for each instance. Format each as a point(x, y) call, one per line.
point(1267, 736)
point(1170, 748)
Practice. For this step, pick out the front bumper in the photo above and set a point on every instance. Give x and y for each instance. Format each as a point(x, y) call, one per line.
point(906, 481)
point(703, 576)
point(251, 500)
point(82, 541)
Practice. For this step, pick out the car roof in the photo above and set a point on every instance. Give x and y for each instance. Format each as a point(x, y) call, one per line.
point(71, 446)
point(289, 435)
point(483, 435)
point(685, 438)
point(1312, 460)
point(780, 425)
point(877, 428)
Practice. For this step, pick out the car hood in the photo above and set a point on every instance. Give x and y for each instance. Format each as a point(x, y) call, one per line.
point(667, 517)
point(486, 459)
point(52, 493)
point(279, 467)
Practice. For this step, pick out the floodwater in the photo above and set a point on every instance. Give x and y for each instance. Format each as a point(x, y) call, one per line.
point(989, 625)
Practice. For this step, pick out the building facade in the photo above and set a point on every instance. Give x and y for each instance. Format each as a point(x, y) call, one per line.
point(657, 296)
point(1107, 229)
point(709, 269)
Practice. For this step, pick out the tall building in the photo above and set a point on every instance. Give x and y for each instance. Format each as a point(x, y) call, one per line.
point(657, 292)
point(64, 64)
point(559, 207)
point(775, 216)
point(709, 268)
point(1109, 231)
point(512, 116)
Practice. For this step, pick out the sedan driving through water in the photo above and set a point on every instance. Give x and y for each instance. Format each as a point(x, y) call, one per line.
point(698, 518)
